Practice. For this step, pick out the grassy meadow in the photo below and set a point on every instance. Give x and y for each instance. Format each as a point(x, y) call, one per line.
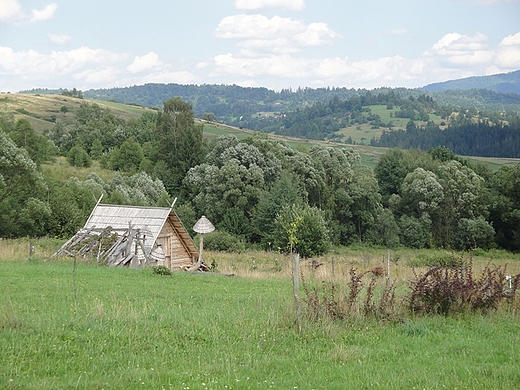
point(363, 133)
point(96, 327)
point(42, 111)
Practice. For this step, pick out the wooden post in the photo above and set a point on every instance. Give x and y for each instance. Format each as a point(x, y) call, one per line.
point(296, 288)
point(388, 263)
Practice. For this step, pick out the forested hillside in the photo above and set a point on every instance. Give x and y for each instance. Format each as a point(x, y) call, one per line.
point(256, 191)
point(503, 83)
point(476, 122)
point(228, 102)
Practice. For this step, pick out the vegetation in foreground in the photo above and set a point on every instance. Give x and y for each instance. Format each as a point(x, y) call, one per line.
point(95, 327)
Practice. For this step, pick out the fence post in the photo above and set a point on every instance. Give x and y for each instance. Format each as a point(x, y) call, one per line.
point(388, 263)
point(296, 288)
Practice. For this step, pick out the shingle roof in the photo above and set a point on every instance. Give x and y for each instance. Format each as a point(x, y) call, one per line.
point(149, 220)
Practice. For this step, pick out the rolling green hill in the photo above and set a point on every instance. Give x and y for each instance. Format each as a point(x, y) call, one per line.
point(504, 83)
point(42, 111)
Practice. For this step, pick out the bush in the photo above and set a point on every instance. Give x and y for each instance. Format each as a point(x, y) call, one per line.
point(474, 233)
point(221, 241)
point(161, 270)
point(447, 290)
point(440, 259)
point(305, 228)
point(78, 157)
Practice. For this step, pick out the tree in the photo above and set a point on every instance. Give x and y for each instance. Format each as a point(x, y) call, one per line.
point(18, 173)
point(283, 192)
point(421, 193)
point(78, 157)
point(390, 172)
point(366, 201)
point(302, 228)
point(38, 146)
point(128, 157)
point(415, 232)
point(474, 233)
point(179, 143)
point(505, 206)
point(385, 230)
point(216, 190)
point(464, 197)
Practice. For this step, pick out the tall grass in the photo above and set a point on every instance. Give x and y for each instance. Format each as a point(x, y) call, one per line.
point(137, 329)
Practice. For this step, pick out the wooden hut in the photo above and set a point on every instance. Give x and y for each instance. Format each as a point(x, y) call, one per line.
point(135, 236)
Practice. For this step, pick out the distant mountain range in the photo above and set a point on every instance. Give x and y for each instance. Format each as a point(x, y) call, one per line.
point(496, 92)
point(501, 83)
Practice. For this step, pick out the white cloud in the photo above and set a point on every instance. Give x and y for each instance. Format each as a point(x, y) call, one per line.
point(315, 34)
point(511, 40)
point(457, 50)
point(258, 4)
point(84, 68)
point(84, 65)
point(276, 35)
point(508, 53)
point(179, 77)
point(257, 26)
point(277, 66)
point(11, 12)
point(453, 56)
point(150, 60)
point(391, 71)
point(45, 14)
point(59, 39)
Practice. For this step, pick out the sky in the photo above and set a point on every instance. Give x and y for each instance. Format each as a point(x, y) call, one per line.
point(278, 44)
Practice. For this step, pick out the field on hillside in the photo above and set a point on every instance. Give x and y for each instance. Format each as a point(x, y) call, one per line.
point(95, 327)
point(42, 111)
point(363, 133)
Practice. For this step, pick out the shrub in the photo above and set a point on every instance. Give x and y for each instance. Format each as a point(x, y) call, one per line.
point(447, 290)
point(78, 157)
point(439, 259)
point(221, 241)
point(305, 228)
point(358, 298)
point(161, 270)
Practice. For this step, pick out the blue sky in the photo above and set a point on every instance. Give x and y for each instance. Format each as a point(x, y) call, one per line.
point(270, 43)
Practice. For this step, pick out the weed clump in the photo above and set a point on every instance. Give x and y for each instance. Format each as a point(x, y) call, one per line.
point(453, 289)
point(356, 299)
point(445, 289)
point(161, 270)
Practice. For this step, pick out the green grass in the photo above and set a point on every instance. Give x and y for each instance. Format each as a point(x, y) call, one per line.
point(42, 111)
point(127, 328)
point(363, 133)
point(61, 170)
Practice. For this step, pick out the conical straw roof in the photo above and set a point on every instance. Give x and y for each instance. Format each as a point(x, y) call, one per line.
point(203, 225)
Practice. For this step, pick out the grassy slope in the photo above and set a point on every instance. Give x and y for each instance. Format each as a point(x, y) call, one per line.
point(362, 134)
point(42, 110)
point(128, 328)
point(61, 170)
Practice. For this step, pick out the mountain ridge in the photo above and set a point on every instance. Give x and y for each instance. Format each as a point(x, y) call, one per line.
point(505, 83)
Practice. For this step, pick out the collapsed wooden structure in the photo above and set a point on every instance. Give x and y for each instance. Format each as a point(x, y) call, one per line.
point(134, 236)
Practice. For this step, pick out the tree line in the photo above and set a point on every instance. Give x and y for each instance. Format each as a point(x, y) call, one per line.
point(256, 191)
point(484, 138)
